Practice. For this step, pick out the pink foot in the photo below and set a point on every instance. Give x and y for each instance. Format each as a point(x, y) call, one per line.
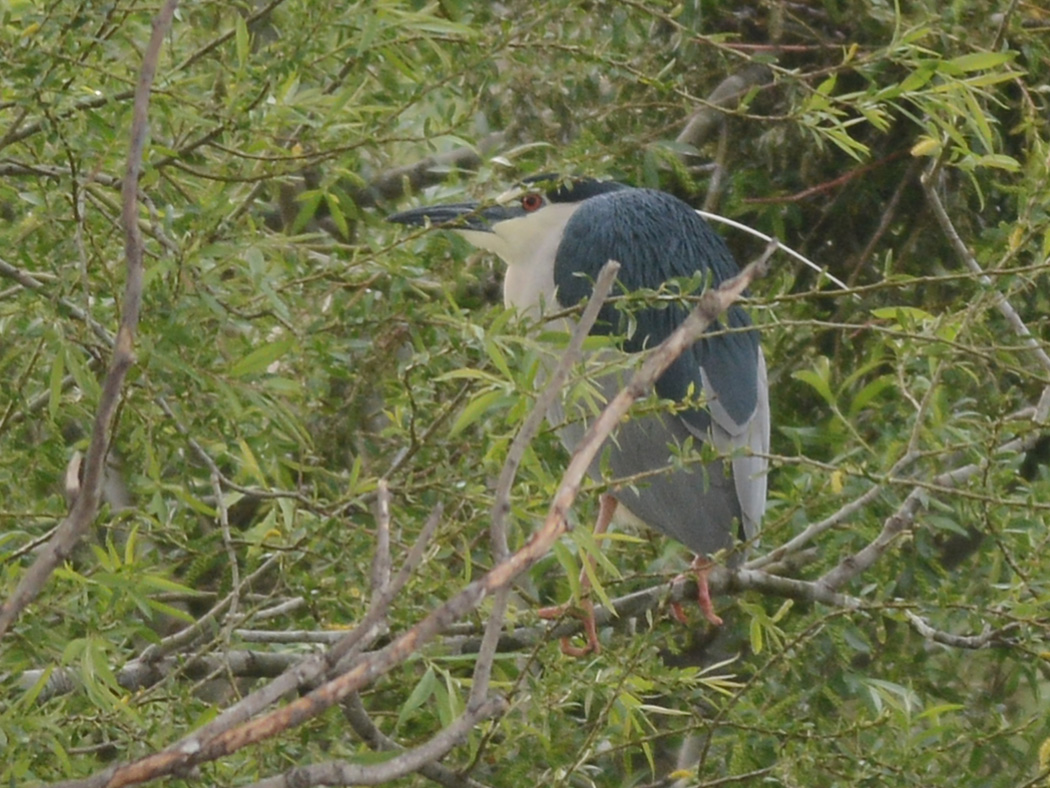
point(590, 627)
point(700, 566)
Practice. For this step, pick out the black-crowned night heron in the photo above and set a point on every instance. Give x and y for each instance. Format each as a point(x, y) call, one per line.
point(555, 235)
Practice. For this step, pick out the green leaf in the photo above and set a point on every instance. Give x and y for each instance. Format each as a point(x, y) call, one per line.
point(335, 211)
point(261, 358)
point(818, 379)
point(755, 633)
point(420, 694)
point(979, 61)
point(902, 315)
point(570, 566)
point(476, 408)
point(250, 464)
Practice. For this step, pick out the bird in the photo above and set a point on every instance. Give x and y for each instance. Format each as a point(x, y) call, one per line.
point(555, 234)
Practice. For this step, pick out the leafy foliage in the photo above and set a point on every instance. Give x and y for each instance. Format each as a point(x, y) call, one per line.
point(294, 349)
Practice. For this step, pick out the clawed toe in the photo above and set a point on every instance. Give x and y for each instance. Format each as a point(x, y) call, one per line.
point(590, 627)
point(700, 567)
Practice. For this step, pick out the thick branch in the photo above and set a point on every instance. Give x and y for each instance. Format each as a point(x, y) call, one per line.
point(710, 116)
point(343, 773)
point(84, 510)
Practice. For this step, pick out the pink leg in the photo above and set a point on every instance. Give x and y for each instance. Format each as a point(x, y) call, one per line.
point(700, 566)
point(606, 510)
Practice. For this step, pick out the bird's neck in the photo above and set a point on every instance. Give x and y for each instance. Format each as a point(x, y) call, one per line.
point(529, 288)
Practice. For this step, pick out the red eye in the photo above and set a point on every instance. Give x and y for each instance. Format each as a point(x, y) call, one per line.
point(532, 202)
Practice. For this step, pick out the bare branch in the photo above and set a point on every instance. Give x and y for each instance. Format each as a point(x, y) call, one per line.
point(140, 674)
point(223, 514)
point(711, 115)
point(904, 518)
point(343, 773)
point(381, 560)
point(357, 716)
point(844, 513)
point(373, 624)
point(86, 507)
point(35, 282)
point(987, 638)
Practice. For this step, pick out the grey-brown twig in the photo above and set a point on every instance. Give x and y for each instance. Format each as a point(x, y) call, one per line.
point(966, 257)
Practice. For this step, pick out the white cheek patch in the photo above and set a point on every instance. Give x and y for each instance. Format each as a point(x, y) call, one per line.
point(489, 242)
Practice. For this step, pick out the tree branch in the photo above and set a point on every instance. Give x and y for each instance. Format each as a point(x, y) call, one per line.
point(84, 510)
point(357, 716)
point(343, 773)
point(702, 123)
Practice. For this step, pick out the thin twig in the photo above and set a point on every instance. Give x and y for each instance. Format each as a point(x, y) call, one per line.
point(223, 514)
point(987, 638)
point(34, 282)
point(365, 633)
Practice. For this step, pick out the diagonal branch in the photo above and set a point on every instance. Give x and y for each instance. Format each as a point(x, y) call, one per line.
point(345, 773)
point(85, 508)
point(1005, 308)
point(498, 529)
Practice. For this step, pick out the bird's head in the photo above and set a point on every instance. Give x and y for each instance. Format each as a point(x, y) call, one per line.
point(524, 225)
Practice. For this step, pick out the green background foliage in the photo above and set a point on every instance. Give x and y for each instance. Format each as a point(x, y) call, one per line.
point(294, 349)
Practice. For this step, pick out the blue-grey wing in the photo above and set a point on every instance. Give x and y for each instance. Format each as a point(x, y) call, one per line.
point(656, 238)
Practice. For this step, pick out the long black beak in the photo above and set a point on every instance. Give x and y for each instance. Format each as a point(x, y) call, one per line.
point(459, 215)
